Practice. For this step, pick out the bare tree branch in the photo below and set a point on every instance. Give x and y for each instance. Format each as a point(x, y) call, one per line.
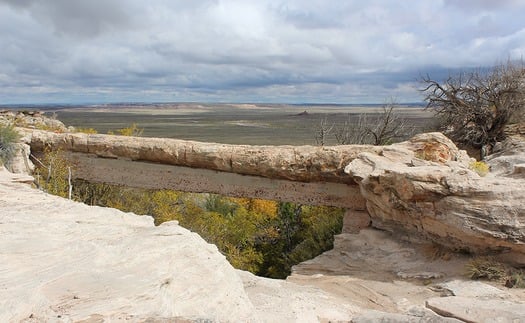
point(322, 132)
point(475, 106)
point(381, 129)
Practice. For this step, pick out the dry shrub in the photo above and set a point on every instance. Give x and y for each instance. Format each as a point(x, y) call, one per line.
point(486, 268)
point(479, 167)
point(436, 252)
point(516, 279)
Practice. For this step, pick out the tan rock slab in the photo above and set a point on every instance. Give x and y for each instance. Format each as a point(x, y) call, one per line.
point(478, 310)
point(354, 221)
point(62, 261)
point(417, 317)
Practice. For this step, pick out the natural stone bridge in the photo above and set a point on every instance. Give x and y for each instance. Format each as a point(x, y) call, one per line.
point(422, 190)
point(303, 174)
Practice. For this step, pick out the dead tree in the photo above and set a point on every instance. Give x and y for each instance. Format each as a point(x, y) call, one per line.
point(355, 133)
point(322, 132)
point(388, 127)
point(380, 129)
point(476, 106)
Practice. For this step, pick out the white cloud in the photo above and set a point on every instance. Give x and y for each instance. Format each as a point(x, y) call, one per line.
point(291, 50)
point(478, 5)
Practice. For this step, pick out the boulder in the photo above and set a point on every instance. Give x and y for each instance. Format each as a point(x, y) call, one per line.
point(508, 158)
point(474, 289)
point(424, 189)
point(283, 301)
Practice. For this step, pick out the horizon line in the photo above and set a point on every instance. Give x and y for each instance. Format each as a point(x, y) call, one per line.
point(57, 104)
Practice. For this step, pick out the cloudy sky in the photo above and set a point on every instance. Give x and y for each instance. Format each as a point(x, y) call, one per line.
point(295, 51)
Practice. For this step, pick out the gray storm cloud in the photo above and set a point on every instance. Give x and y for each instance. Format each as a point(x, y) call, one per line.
point(231, 50)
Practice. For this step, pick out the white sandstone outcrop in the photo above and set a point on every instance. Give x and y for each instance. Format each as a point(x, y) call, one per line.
point(62, 261)
point(423, 188)
point(31, 120)
point(67, 261)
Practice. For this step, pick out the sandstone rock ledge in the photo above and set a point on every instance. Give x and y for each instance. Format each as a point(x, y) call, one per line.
point(424, 188)
point(62, 261)
point(399, 282)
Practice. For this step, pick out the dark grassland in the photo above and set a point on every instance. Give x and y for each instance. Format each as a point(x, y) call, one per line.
point(229, 123)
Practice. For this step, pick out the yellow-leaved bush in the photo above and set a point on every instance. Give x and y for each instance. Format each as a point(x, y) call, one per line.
point(480, 167)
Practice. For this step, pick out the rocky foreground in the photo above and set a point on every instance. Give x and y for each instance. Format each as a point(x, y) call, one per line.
point(69, 262)
point(63, 261)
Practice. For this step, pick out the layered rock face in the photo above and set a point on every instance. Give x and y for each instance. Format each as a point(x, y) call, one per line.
point(424, 188)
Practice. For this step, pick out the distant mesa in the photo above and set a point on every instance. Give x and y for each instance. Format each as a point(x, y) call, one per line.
point(303, 114)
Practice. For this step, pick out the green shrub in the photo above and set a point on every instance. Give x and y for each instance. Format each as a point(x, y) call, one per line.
point(8, 138)
point(489, 269)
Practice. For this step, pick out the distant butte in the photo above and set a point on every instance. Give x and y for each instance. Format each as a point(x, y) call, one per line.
point(304, 113)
